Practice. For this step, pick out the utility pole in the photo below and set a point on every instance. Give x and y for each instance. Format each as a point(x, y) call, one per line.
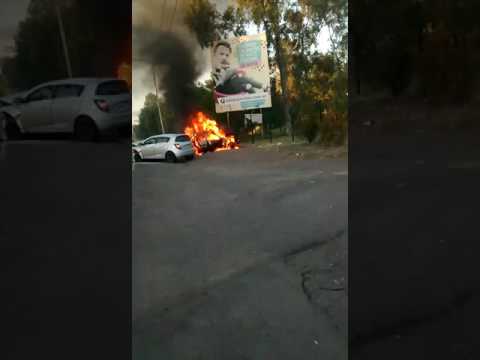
point(64, 40)
point(156, 100)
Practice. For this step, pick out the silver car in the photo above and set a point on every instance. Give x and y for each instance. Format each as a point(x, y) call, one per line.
point(85, 107)
point(171, 147)
point(4, 102)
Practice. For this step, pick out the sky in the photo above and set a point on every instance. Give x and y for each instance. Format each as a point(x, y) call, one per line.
point(148, 10)
point(12, 12)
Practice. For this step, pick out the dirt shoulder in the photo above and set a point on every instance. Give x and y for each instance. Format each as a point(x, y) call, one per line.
point(300, 149)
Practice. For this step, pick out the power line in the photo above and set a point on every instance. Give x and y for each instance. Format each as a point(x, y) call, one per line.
point(163, 10)
point(173, 16)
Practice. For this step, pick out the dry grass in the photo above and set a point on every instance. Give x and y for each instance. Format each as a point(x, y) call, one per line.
point(301, 149)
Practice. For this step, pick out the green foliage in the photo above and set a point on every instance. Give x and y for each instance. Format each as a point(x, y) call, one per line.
point(202, 18)
point(310, 127)
point(232, 22)
point(209, 25)
point(310, 83)
point(320, 98)
point(422, 48)
point(203, 99)
point(97, 41)
point(332, 14)
point(273, 116)
point(333, 128)
point(149, 121)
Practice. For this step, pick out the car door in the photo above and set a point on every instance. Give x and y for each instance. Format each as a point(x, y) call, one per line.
point(65, 106)
point(148, 148)
point(156, 148)
point(162, 146)
point(36, 110)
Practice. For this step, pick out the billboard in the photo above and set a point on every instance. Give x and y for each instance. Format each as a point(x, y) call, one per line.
point(241, 74)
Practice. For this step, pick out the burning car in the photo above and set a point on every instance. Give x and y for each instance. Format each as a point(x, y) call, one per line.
point(207, 135)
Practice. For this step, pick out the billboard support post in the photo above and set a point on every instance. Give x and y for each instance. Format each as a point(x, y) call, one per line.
point(270, 127)
point(293, 133)
point(253, 127)
point(263, 124)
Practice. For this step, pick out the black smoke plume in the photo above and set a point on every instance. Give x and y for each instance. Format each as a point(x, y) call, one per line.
point(176, 66)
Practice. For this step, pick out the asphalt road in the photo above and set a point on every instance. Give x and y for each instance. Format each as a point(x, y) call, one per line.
point(413, 253)
point(65, 230)
point(229, 252)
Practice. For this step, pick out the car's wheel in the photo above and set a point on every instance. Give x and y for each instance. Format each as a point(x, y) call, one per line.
point(85, 130)
point(170, 157)
point(138, 158)
point(12, 130)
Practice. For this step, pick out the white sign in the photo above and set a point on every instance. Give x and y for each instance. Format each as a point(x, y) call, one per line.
point(254, 118)
point(241, 74)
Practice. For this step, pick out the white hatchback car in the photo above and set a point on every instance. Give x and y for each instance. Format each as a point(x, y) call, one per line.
point(170, 147)
point(85, 107)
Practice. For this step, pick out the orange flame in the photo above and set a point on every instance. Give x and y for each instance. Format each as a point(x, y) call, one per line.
point(207, 135)
point(124, 72)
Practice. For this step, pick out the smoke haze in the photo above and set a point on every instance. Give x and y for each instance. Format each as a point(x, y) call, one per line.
point(175, 64)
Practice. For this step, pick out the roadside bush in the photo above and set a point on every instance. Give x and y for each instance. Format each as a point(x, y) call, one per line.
point(309, 128)
point(333, 128)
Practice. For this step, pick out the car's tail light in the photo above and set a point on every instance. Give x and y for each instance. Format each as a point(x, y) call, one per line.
point(178, 146)
point(102, 105)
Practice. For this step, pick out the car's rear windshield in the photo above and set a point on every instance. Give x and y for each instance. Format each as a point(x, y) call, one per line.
point(113, 87)
point(182, 138)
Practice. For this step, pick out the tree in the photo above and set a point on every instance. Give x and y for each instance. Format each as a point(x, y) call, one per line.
point(202, 18)
point(209, 25)
point(292, 30)
point(332, 14)
point(426, 48)
point(3, 86)
point(270, 15)
point(98, 39)
point(149, 121)
point(38, 48)
point(203, 99)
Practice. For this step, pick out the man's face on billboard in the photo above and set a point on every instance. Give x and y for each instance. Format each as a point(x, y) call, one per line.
point(222, 58)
